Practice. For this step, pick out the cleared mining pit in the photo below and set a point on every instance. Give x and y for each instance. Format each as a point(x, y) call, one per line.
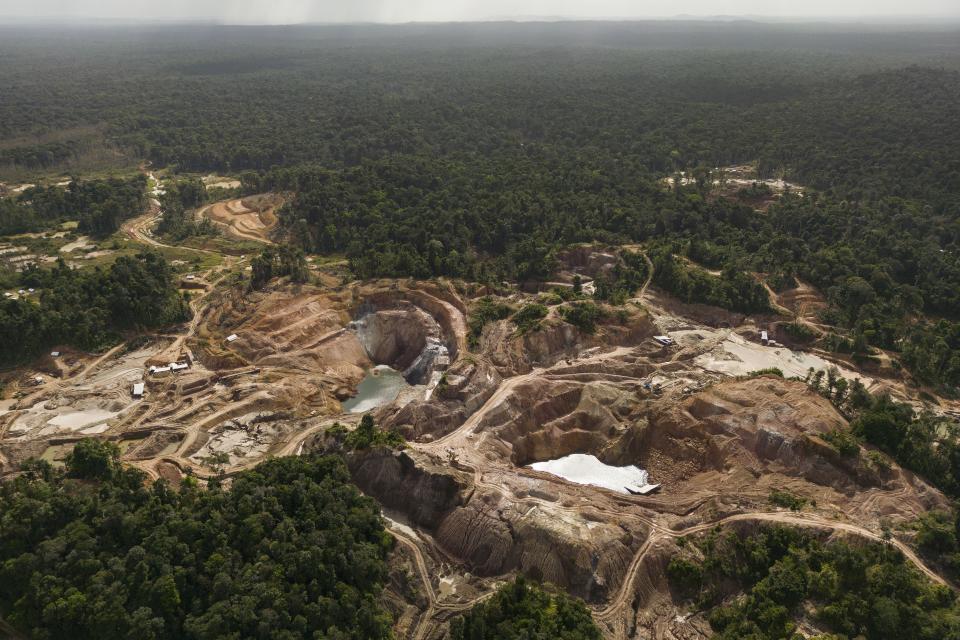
point(532, 451)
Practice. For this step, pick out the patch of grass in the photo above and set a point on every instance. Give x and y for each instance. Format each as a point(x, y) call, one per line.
point(368, 434)
point(485, 310)
point(583, 315)
point(788, 500)
point(550, 299)
point(222, 244)
point(800, 332)
point(325, 259)
point(768, 371)
point(529, 317)
point(843, 441)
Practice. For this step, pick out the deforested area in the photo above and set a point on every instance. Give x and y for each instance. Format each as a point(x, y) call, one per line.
point(544, 328)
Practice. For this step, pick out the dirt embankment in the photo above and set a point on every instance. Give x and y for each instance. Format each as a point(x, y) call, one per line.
point(251, 218)
point(556, 341)
point(718, 453)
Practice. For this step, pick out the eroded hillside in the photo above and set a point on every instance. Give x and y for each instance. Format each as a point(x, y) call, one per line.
point(261, 374)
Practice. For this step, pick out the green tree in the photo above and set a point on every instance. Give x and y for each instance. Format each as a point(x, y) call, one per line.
point(93, 459)
point(520, 610)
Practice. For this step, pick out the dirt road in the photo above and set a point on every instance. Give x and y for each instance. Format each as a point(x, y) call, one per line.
point(613, 615)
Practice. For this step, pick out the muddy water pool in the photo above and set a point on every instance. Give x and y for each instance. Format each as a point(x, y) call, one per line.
point(380, 386)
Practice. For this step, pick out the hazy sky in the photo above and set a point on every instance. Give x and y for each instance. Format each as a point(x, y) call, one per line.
point(294, 11)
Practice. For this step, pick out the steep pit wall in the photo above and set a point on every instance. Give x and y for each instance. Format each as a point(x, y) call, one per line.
point(492, 531)
point(544, 419)
point(465, 386)
point(404, 337)
point(410, 482)
point(440, 302)
point(586, 553)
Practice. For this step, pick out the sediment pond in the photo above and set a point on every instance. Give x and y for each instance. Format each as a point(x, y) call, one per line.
point(381, 385)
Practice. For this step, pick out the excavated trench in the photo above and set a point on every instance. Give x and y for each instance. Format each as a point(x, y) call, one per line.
point(545, 419)
point(405, 338)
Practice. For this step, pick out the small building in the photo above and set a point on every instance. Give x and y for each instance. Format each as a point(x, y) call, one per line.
point(178, 366)
point(54, 354)
point(764, 338)
point(232, 337)
point(38, 380)
point(159, 371)
point(664, 340)
point(138, 390)
point(7, 294)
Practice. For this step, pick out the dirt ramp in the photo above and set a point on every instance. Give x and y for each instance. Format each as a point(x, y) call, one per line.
point(465, 386)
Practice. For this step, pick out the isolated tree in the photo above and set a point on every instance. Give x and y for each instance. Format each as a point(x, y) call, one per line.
point(93, 459)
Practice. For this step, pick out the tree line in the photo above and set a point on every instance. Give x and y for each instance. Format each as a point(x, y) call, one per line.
point(789, 577)
point(290, 550)
point(89, 309)
point(99, 205)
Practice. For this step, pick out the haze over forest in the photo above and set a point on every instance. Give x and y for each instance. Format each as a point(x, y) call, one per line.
point(433, 321)
point(393, 11)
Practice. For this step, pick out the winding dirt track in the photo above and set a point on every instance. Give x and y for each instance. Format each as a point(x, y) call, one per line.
point(139, 229)
point(616, 613)
point(614, 616)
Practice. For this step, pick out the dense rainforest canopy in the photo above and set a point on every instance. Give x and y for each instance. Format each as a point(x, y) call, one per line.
point(522, 611)
point(478, 151)
point(290, 550)
point(789, 577)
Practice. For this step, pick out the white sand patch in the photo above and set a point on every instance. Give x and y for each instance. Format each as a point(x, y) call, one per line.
point(736, 356)
point(586, 469)
point(448, 586)
point(100, 428)
point(223, 184)
point(83, 242)
point(80, 419)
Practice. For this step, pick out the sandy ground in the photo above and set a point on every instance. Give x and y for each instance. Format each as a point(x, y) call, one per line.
point(220, 182)
point(282, 381)
point(251, 218)
point(83, 242)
